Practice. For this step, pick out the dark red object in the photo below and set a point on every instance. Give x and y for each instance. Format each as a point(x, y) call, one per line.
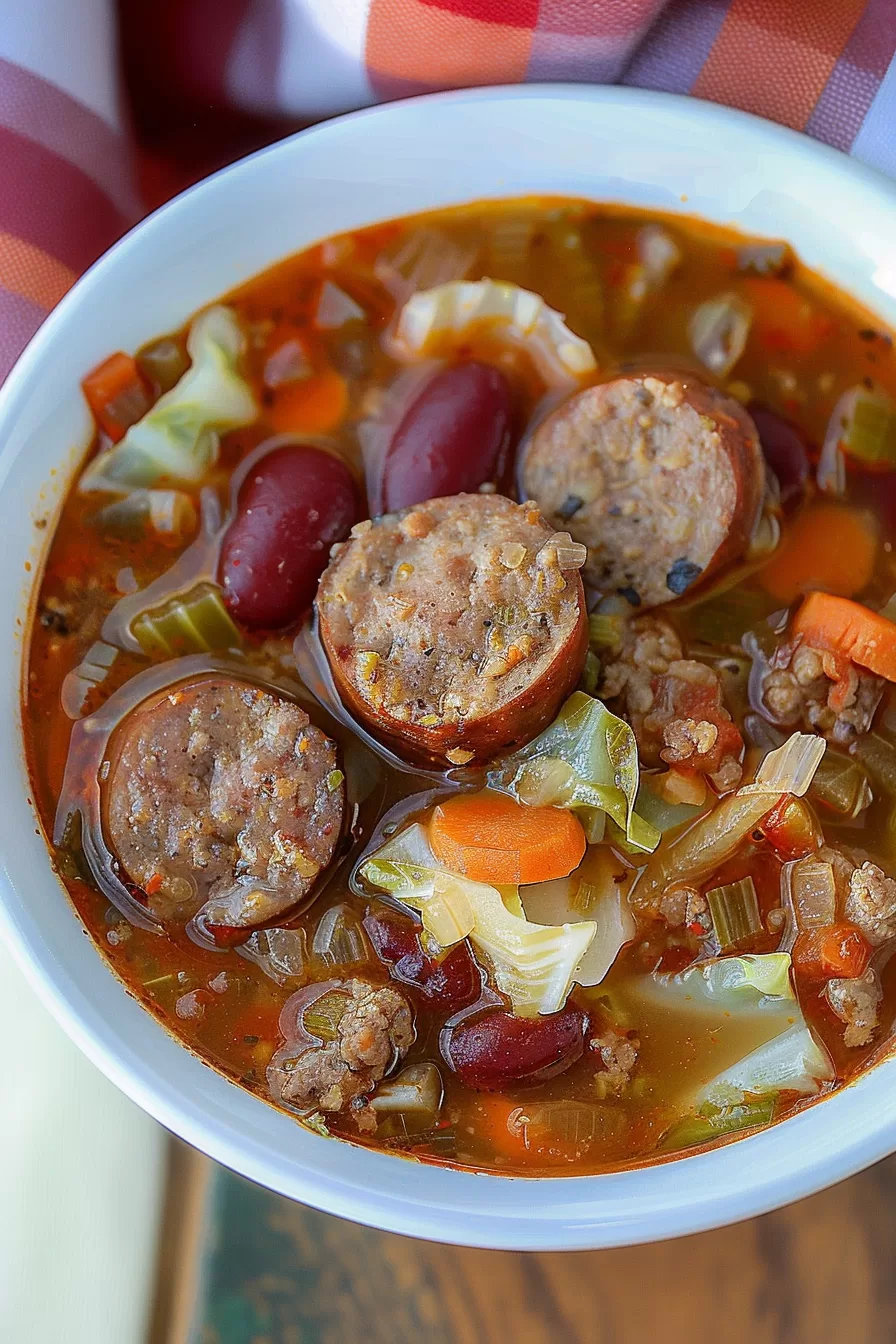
point(452, 983)
point(293, 504)
point(451, 440)
point(786, 450)
point(491, 1052)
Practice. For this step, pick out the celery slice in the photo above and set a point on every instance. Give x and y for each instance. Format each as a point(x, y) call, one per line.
point(841, 784)
point(870, 433)
point(710, 1122)
point(322, 1017)
point(735, 912)
point(197, 622)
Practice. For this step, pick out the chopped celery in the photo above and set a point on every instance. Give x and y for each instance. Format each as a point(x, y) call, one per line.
point(322, 1017)
point(725, 617)
point(870, 433)
point(590, 673)
point(339, 939)
point(841, 784)
point(163, 362)
point(710, 1122)
point(587, 761)
point(605, 629)
point(197, 622)
point(718, 330)
point(416, 1091)
point(735, 912)
point(878, 755)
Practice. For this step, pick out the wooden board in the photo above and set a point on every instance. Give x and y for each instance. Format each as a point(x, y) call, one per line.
point(277, 1273)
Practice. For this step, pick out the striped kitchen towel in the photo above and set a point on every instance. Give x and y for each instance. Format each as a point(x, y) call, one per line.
point(205, 80)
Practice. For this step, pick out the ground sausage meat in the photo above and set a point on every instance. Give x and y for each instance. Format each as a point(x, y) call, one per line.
point(457, 626)
point(224, 795)
point(618, 1054)
point(806, 687)
point(673, 703)
point(375, 1031)
point(857, 1004)
point(871, 903)
point(661, 477)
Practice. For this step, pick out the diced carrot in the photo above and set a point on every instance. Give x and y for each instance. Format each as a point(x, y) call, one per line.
point(849, 629)
point(490, 1116)
point(784, 320)
point(117, 395)
point(490, 837)
point(827, 546)
point(837, 950)
point(311, 405)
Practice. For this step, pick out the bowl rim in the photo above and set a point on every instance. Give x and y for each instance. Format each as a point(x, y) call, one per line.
point(697, 1192)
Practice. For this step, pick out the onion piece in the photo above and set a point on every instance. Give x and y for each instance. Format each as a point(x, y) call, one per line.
point(521, 317)
point(813, 893)
point(831, 471)
point(423, 259)
point(416, 1091)
point(789, 768)
point(659, 254)
point(719, 329)
point(339, 939)
point(336, 309)
point(288, 364)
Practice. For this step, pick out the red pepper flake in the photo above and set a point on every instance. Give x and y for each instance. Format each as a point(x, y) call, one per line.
point(696, 929)
point(153, 884)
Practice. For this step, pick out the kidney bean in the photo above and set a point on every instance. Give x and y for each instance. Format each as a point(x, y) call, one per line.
point(452, 983)
point(490, 1052)
point(786, 450)
point(294, 503)
point(453, 438)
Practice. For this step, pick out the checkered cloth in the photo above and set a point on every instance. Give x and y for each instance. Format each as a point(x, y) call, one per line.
point(202, 81)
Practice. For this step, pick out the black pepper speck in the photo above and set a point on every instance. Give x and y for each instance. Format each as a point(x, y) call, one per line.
point(682, 575)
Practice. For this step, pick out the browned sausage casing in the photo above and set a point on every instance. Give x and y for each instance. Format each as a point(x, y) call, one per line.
point(451, 628)
point(660, 476)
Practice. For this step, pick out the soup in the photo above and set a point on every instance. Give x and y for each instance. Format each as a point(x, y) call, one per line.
point(459, 690)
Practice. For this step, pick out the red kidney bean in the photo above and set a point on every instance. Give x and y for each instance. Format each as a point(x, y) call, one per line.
point(452, 983)
point(490, 1052)
point(453, 438)
point(786, 450)
point(294, 503)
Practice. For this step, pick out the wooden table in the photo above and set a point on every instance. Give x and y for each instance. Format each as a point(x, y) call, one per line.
point(818, 1271)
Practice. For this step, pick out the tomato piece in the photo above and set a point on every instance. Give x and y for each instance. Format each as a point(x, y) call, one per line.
point(791, 829)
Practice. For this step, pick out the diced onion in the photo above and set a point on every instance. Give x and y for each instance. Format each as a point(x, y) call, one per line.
point(522, 317)
point(336, 309)
point(417, 1091)
point(659, 253)
point(718, 330)
point(813, 893)
point(339, 939)
point(288, 364)
point(789, 768)
point(831, 471)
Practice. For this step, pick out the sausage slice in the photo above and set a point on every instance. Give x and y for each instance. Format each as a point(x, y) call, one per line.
point(453, 629)
point(224, 796)
point(660, 476)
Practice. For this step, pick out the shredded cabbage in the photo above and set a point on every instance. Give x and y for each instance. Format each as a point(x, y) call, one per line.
point(735, 984)
point(534, 965)
point(525, 319)
point(178, 437)
point(587, 761)
point(793, 1062)
point(592, 892)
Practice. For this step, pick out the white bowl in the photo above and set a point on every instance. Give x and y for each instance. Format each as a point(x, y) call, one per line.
point(605, 143)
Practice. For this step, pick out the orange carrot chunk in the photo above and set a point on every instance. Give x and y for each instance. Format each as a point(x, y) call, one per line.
point(309, 405)
point(490, 837)
point(837, 950)
point(851, 630)
point(827, 546)
point(117, 395)
point(785, 322)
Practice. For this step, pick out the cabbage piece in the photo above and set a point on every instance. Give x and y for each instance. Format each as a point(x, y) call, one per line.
point(594, 891)
point(532, 964)
point(735, 984)
point(178, 437)
point(792, 1062)
point(587, 761)
point(522, 317)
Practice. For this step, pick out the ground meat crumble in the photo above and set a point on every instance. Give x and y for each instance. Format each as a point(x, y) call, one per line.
point(808, 688)
point(618, 1053)
point(376, 1031)
point(673, 703)
point(857, 1004)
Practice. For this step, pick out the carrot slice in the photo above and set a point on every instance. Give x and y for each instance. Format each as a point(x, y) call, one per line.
point(311, 405)
point(827, 546)
point(784, 320)
point(847, 628)
point(838, 949)
point(489, 837)
point(117, 395)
